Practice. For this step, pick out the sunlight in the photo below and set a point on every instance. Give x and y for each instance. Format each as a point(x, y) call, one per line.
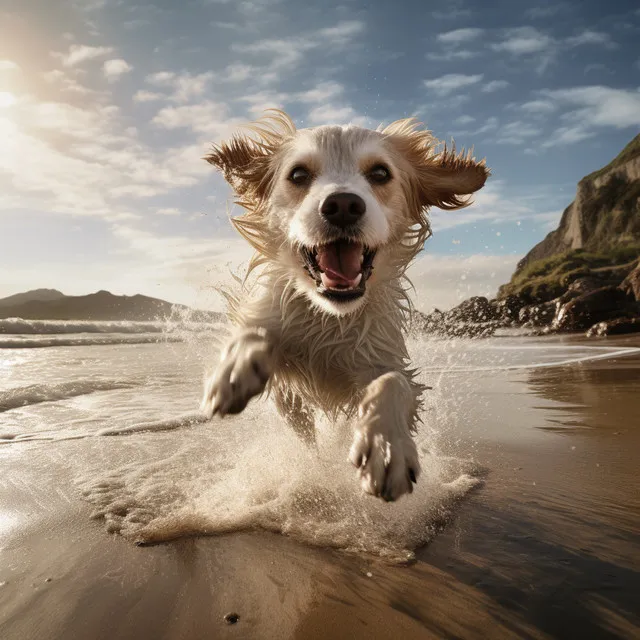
point(7, 99)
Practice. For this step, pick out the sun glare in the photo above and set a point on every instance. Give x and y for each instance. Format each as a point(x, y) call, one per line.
point(6, 99)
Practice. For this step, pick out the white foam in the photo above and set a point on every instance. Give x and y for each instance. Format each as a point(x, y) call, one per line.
point(253, 473)
point(18, 342)
point(37, 393)
point(24, 326)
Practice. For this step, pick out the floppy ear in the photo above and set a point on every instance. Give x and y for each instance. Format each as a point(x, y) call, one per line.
point(437, 179)
point(246, 162)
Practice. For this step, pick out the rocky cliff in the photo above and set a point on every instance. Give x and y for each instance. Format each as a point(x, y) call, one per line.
point(604, 214)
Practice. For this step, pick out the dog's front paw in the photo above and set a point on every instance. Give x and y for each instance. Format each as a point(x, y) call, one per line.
point(243, 373)
point(386, 457)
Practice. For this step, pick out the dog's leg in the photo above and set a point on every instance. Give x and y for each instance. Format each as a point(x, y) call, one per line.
point(298, 416)
point(383, 450)
point(246, 364)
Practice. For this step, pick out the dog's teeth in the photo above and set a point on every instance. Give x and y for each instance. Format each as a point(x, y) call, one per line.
point(356, 282)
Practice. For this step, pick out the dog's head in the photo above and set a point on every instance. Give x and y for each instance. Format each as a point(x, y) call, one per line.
point(341, 208)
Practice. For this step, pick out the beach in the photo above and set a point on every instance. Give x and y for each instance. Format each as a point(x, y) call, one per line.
point(124, 515)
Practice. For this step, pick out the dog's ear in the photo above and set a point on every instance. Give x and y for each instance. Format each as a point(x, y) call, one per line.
point(437, 179)
point(244, 165)
point(247, 162)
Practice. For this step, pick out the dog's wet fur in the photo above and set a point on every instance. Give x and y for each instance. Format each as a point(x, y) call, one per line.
point(335, 214)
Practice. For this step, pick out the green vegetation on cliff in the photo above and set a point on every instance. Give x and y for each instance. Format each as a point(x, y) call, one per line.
point(548, 278)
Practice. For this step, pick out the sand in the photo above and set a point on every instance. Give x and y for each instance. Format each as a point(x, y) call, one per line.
point(546, 547)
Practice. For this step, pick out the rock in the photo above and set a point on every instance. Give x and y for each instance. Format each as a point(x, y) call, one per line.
point(508, 308)
point(476, 309)
point(615, 327)
point(538, 315)
point(592, 307)
point(631, 284)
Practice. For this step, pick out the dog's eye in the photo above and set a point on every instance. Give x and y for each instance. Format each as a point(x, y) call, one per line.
point(379, 174)
point(300, 176)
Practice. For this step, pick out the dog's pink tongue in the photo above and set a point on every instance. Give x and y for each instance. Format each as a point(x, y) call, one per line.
point(340, 262)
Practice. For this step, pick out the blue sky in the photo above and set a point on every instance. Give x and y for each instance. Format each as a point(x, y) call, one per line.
point(108, 106)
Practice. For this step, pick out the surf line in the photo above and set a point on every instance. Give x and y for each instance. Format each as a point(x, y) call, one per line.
point(541, 365)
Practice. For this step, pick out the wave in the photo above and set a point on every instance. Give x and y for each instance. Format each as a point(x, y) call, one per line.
point(37, 393)
point(84, 341)
point(22, 326)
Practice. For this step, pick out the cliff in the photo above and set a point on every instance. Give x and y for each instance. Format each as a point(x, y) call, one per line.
point(604, 215)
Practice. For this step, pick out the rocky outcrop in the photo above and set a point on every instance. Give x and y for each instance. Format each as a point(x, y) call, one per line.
point(592, 307)
point(604, 214)
point(631, 284)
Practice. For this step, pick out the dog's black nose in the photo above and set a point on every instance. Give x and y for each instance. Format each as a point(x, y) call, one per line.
point(343, 209)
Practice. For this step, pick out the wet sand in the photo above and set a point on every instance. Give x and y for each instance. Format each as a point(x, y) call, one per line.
point(547, 547)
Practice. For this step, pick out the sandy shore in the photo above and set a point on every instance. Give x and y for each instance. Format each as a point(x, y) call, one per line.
point(546, 548)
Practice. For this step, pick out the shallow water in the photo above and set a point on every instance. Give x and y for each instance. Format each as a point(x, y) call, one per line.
point(177, 475)
point(528, 500)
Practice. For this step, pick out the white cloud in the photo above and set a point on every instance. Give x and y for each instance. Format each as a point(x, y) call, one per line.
point(207, 117)
point(321, 92)
point(9, 65)
point(147, 96)
point(588, 37)
point(524, 41)
point(285, 52)
point(79, 53)
point(538, 106)
point(464, 119)
point(517, 132)
point(494, 85)
point(599, 106)
point(336, 114)
point(457, 36)
point(452, 54)
point(168, 211)
point(184, 86)
point(452, 82)
point(65, 82)
point(115, 68)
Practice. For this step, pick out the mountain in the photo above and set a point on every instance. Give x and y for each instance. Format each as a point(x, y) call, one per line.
point(604, 215)
point(34, 294)
point(102, 305)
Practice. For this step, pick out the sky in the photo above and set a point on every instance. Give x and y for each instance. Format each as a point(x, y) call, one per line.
point(107, 107)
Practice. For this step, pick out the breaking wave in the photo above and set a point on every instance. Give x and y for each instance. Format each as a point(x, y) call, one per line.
point(22, 326)
point(19, 342)
point(37, 393)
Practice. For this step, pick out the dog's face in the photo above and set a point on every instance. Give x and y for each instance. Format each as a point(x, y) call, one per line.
point(334, 205)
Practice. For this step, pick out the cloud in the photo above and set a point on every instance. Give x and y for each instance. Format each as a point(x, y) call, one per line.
point(588, 37)
point(147, 96)
point(524, 41)
point(66, 83)
point(210, 118)
point(183, 86)
point(451, 82)
point(599, 106)
point(285, 52)
point(458, 36)
point(8, 65)
point(546, 11)
point(79, 53)
point(517, 132)
point(115, 68)
point(452, 54)
point(494, 85)
point(464, 119)
point(538, 106)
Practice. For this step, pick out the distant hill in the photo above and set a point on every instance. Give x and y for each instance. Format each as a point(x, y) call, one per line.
point(605, 214)
point(48, 304)
point(28, 296)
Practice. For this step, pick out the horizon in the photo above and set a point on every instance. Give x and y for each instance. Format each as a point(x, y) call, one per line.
point(108, 108)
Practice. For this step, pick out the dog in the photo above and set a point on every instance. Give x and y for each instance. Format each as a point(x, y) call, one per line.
point(335, 214)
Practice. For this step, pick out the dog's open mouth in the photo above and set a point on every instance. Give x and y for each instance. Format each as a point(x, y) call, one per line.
point(340, 269)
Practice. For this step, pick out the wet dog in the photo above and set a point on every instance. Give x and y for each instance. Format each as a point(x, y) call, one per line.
point(335, 214)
